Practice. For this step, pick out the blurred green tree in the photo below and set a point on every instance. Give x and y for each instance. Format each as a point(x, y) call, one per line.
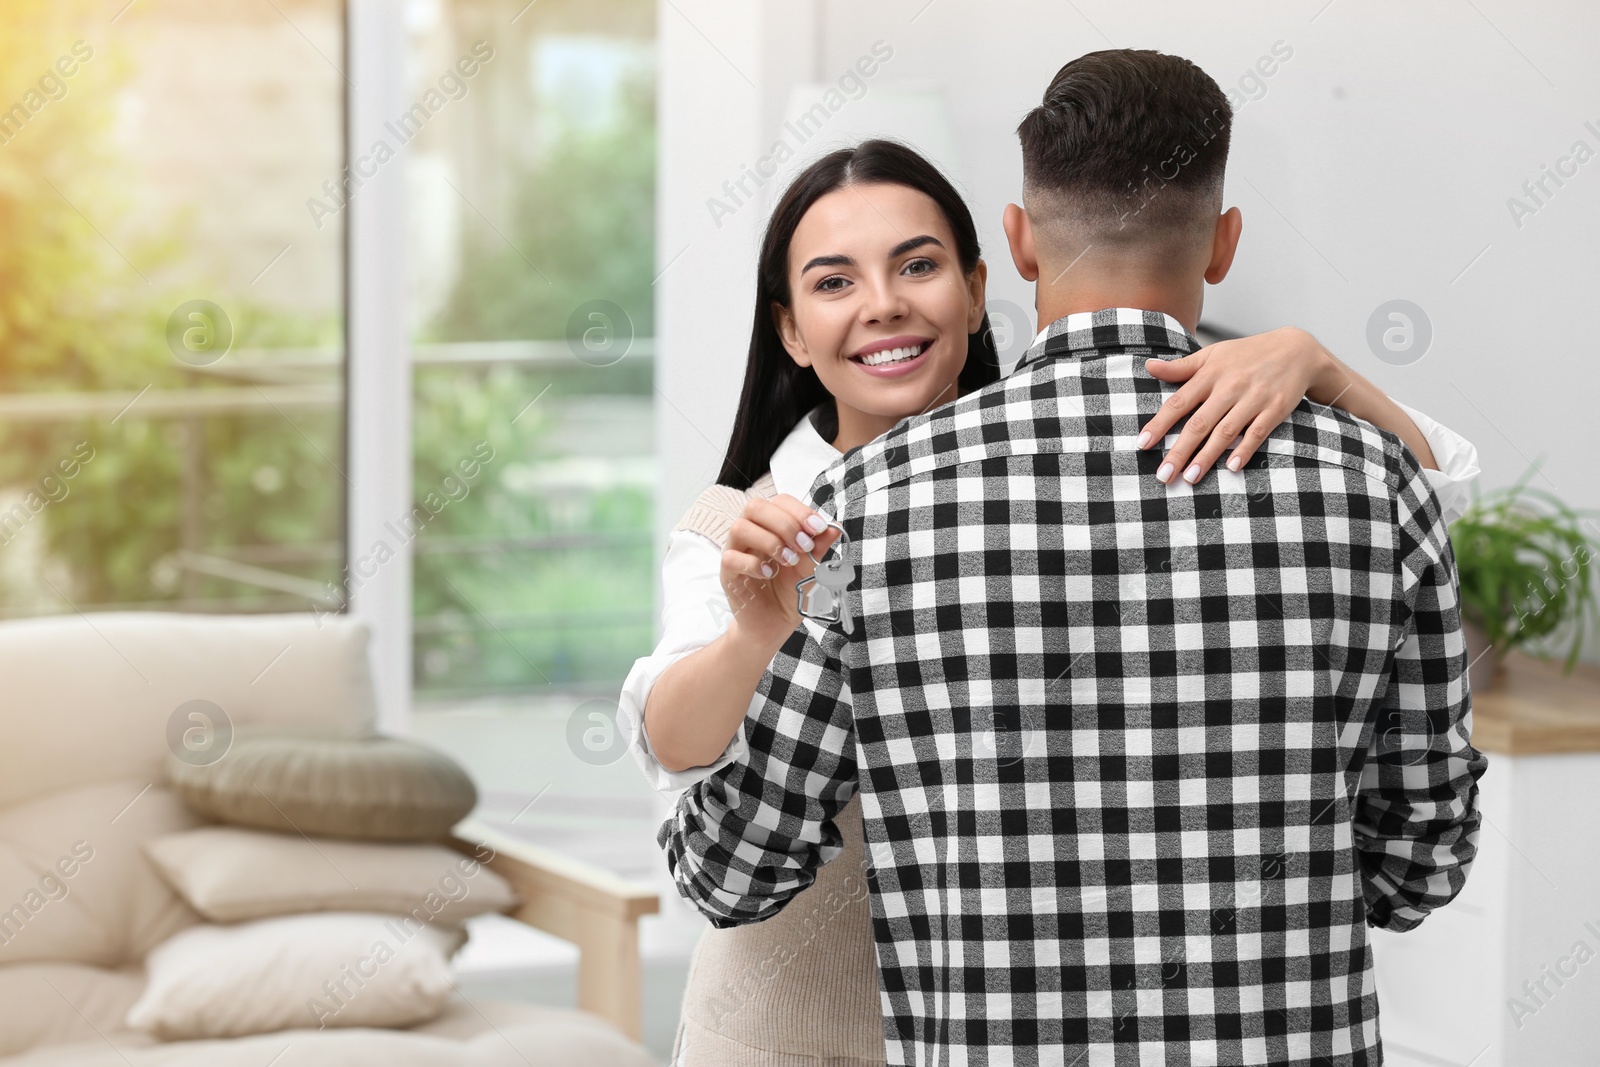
point(83, 308)
point(584, 214)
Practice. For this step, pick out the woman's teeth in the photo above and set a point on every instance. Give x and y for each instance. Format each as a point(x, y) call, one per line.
point(892, 355)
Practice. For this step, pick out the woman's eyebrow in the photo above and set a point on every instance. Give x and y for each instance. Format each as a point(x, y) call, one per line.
point(828, 261)
point(913, 242)
point(894, 253)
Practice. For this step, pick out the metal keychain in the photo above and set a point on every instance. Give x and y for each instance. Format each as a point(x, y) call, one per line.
point(825, 595)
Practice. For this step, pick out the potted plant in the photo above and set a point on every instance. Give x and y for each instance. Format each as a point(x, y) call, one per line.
point(1526, 568)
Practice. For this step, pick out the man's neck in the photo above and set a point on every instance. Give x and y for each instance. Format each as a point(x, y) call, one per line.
point(1057, 302)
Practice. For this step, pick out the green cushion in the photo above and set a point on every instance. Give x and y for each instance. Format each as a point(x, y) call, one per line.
point(371, 788)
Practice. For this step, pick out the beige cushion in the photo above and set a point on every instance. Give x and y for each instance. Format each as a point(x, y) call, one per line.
point(230, 875)
point(330, 969)
point(63, 1004)
point(379, 788)
point(89, 700)
point(75, 885)
point(485, 1034)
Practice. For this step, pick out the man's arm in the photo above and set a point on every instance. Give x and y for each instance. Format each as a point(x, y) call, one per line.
point(1416, 818)
point(742, 842)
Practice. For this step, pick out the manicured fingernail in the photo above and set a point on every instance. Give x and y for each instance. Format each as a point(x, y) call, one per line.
point(1192, 475)
point(788, 556)
point(1234, 463)
point(805, 543)
point(767, 571)
point(1144, 439)
point(816, 524)
point(1164, 473)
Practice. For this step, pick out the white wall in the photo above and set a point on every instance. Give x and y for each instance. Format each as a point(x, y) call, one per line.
point(725, 69)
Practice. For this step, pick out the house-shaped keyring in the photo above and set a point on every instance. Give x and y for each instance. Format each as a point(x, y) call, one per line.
point(817, 600)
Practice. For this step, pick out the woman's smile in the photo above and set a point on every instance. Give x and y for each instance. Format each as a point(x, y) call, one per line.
point(893, 357)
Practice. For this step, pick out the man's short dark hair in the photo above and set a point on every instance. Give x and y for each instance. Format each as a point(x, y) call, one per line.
point(1127, 147)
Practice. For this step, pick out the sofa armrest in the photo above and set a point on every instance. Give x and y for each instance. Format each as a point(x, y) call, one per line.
point(577, 902)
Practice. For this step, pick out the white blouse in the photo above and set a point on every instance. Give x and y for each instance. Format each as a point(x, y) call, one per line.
point(695, 610)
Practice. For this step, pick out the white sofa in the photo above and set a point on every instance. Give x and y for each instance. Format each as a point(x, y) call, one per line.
point(85, 702)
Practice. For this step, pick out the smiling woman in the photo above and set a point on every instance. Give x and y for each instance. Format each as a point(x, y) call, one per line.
point(869, 309)
point(884, 320)
point(864, 242)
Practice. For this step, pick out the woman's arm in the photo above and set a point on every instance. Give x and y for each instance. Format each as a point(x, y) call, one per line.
point(694, 613)
point(698, 703)
point(1339, 386)
point(1458, 464)
point(1245, 388)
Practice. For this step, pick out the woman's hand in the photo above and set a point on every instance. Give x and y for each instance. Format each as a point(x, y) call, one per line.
point(1246, 386)
point(766, 555)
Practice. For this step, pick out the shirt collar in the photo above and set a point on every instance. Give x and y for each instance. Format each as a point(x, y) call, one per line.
point(801, 457)
point(1097, 333)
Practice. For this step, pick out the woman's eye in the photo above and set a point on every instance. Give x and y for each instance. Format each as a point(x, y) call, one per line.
point(920, 266)
point(827, 285)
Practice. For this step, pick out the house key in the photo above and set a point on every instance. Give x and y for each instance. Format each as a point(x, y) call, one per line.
point(824, 595)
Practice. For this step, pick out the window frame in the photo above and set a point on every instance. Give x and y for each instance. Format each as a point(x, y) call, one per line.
point(378, 355)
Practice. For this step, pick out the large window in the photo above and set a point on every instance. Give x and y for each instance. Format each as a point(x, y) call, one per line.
point(531, 178)
point(171, 367)
point(531, 214)
point(174, 198)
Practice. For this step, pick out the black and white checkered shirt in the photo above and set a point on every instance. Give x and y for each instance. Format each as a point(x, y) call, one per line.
point(1139, 763)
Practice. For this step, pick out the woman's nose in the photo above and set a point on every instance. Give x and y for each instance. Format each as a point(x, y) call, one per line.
point(884, 303)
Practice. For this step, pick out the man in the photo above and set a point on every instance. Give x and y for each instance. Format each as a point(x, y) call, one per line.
point(1140, 763)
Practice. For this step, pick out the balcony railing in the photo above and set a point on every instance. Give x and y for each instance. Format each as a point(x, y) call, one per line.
point(287, 379)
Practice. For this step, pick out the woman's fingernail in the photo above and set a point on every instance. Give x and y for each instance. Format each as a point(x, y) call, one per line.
point(1192, 475)
point(1164, 473)
point(788, 556)
point(816, 524)
point(805, 543)
point(1144, 439)
point(767, 571)
point(1234, 463)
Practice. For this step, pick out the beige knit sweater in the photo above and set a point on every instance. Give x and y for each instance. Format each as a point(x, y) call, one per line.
point(799, 989)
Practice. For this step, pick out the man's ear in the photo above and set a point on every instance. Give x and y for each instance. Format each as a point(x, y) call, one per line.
point(1019, 235)
point(789, 334)
point(1224, 243)
point(977, 288)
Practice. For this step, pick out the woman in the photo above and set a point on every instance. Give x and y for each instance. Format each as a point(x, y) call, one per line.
point(870, 309)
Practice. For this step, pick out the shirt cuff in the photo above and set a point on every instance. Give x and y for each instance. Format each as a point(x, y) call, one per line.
point(1458, 464)
point(630, 715)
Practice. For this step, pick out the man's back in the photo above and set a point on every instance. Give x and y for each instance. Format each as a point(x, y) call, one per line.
point(1139, 763)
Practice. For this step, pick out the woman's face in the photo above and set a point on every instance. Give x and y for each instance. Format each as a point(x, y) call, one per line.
point(881, 308)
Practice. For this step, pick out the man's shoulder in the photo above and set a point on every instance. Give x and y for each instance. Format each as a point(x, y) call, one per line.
point(1385, 470)
point(1315, 434)
point(983, 422)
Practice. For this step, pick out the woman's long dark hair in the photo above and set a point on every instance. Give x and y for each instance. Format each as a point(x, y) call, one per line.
point(778, 392)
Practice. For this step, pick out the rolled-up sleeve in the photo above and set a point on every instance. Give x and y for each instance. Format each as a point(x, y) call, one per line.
point(743, 841)
point(1458, 464)
point(1416, 819)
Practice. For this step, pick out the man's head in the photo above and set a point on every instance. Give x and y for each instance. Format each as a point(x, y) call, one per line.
point(1122, 183)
